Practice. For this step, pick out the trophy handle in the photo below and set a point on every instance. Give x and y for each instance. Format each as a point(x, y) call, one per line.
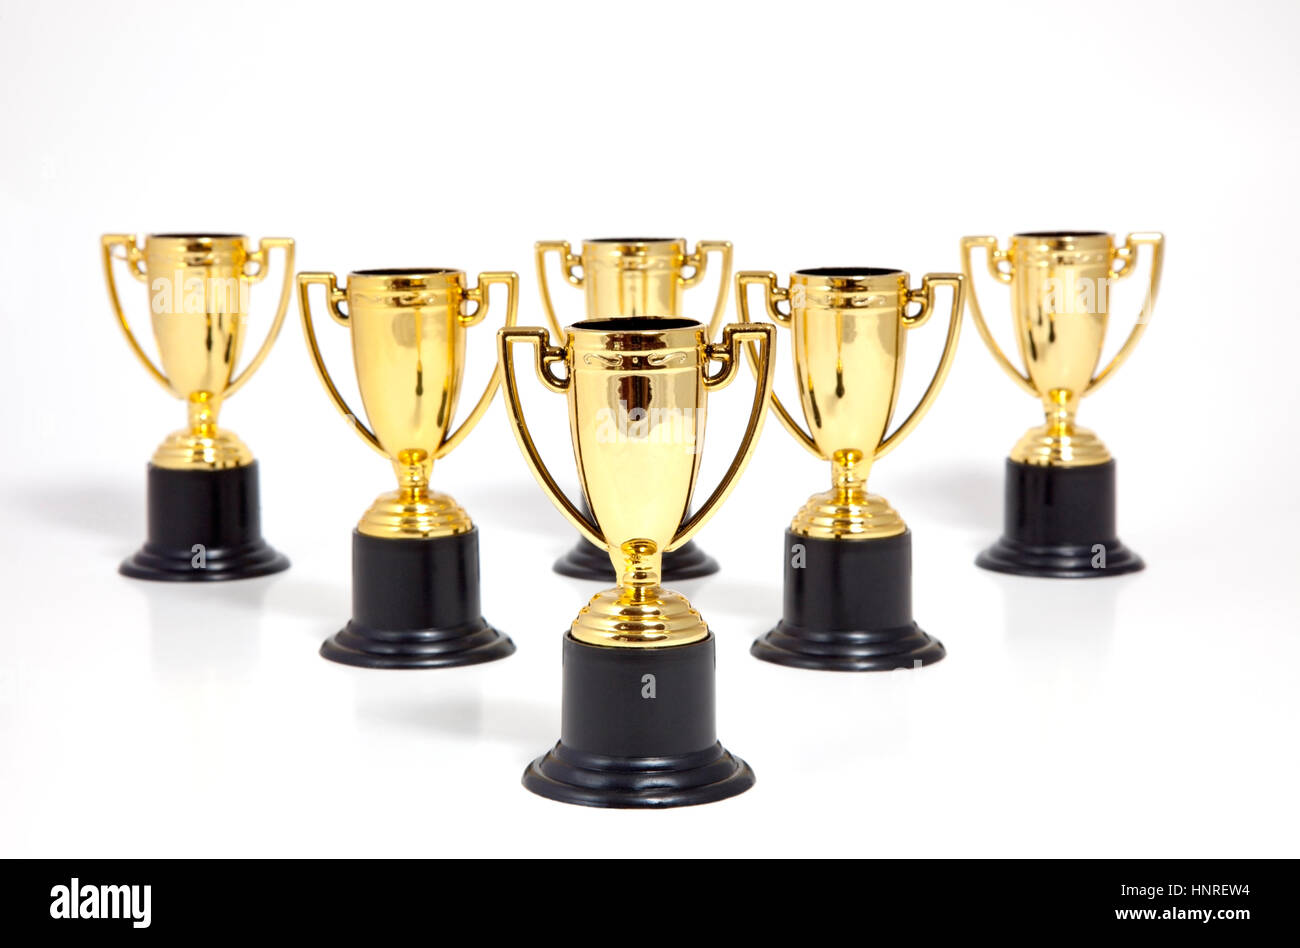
point(133, 257)
point(333, 296)
point(568, 260)
point(728, 353)
point(925, 296)
point(479, 294)
point(1127, 256)
point(261, 257)
point(546, 354)
point(995, 260)
point(699, 259)
point(772, 294)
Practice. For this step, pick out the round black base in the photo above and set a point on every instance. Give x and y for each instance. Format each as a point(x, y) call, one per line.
point(432, 648)
point(848, 607)
point(638, 730)
point(586, 561)
point(571, 776)
point(1060, 562)
point(1060, 522)
point(203, 526)
point(883, 650)
point(415, 604)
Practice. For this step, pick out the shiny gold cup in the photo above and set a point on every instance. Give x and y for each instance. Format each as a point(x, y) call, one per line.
point(850, 328)
point(638, 700)
point(408, 332)
point(848, 554)
point(204, 508)
point(635, 276)
point(415, 561)
point(1060, 309)
point(198, 292)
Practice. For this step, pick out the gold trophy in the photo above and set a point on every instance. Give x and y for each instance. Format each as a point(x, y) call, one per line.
point(1059, 513)
point(848, 554)
point(635, 276)
point(204, 516)
point(638, 711)
point(415, 566)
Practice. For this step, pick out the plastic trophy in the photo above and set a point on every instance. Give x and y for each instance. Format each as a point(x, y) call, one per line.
point(415, 564)
point(637, 723)
point(634, 276)
point(1059, 503)
point(847, 553)
point(204, 515)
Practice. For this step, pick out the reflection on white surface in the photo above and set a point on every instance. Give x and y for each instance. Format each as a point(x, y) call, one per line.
point(201, 632)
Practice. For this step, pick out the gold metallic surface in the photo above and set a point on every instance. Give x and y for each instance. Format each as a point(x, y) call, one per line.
point(198, 295)
point(850, 333)
point(408, 349)
point(637, 394)
point(634, 276)
point(1060, 306)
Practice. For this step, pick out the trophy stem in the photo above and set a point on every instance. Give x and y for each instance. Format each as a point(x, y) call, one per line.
point(203, 408)
point(848, 473)
point(1060, 406)
point(588, 561)
point(413, 469)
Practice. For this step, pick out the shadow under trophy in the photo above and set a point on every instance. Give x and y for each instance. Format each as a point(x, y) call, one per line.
point(415, 563)
point(1059, 506)
point(634, 276)
point(847, 553)
point(204, 513)
point(638, 715)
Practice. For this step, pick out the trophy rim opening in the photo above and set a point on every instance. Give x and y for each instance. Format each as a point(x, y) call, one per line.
point(848, 272)
point(634, 240)
point(196, 236)
point(405, 272)
point(636, 323)
point(1061, 234)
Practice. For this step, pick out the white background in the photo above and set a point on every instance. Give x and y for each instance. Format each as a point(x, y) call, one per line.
point(1153, 714)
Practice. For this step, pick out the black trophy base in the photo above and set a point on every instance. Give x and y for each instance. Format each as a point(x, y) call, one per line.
point(638, 731)
point(586, 561)
point(203, 526)
point(415, 604)
point(848, 607)
point(1060, 522)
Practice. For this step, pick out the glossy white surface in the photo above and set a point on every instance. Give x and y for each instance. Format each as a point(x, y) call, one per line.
point(1153, 714)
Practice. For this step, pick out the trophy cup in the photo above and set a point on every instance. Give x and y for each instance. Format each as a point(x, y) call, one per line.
point(415, 569)
point(637, 724)
point(204, 516)
point(634, 276)
point(848, 554)
point(1059, 507)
